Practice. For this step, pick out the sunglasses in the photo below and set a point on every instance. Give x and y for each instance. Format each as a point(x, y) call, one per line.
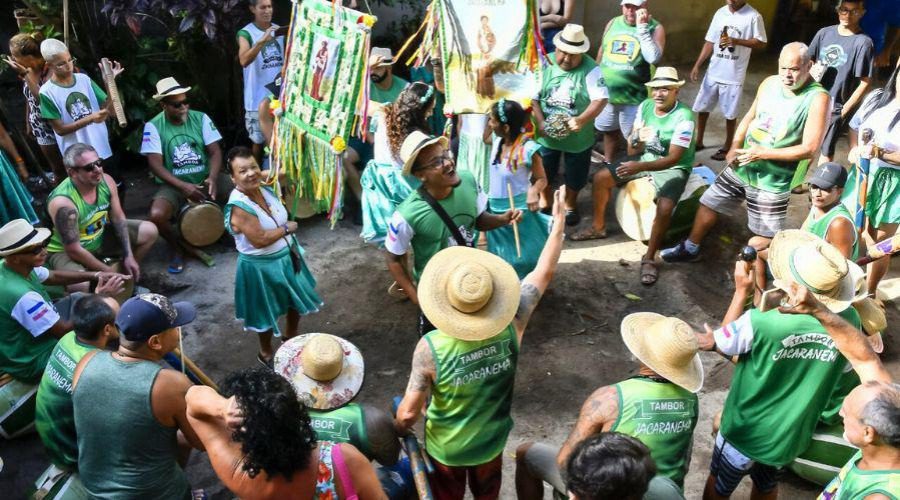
point(824, 190)
point(438, 162)
point(90, 166)
point(177, 105)
point(36, 250)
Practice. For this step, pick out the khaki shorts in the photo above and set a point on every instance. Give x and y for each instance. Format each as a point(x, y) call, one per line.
point(109, 248)
point(173, 195)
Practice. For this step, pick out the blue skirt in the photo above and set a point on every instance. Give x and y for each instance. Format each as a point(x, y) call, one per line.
point(15, 200)
point(533, 232)
point(384, 187)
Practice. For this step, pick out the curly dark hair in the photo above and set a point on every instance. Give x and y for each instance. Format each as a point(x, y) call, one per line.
point(276, 436)
point(407, 114)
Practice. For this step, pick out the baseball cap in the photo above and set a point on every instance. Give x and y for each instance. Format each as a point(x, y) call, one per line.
point(828, 175)
point(148, 314)
point(634, 2)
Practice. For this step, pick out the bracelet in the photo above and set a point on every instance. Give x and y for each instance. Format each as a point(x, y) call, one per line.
point(285, 227)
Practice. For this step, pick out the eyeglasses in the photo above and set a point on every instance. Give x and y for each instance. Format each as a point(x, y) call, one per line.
point(98, 164)
point(440, 161)
point(824, 190)
point(178, 105)
point(64, 64)
point(36, 250)
point(845, 11)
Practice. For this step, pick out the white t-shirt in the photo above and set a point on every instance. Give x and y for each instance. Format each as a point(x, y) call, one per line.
point(381, 150)
point(879, 121)
point(71, 104)
point(33, 312)
point(745, 24)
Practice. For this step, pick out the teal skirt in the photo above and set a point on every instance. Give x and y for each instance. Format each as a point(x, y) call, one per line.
point(474, 156)
point(384, 187)
point(15, 200)
point(266, 287)
point(883, 198)
point(533, 232)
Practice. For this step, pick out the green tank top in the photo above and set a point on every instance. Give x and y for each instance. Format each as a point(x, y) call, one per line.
point(665, 127)
point(123, 451)
point(566, 92)
point(346, 424)
point(853, 483)
point(92, 218)
point(54, 419)
point(661, 415)
point(779, 123)
point(792, 359)
point(625, 70)
point(469, 415)
point(820, 227)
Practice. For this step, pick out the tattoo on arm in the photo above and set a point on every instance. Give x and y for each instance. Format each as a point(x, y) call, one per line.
point(121, 227)
point(529, 298)
point(601, 407)
point(66, 222)
point(422, 369)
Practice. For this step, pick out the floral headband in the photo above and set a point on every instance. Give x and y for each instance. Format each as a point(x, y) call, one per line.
point(427, 97)
point(501, 112)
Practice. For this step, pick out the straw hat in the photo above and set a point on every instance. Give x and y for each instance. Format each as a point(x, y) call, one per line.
point(468, 294)
point(667, 346)
point(168, 86)
point(326, 371)
point(804, 258)
point(414, 143)
point(18, 234)
point(665, 76)
point(874, 321)
point(572, 39)
point(380, 56)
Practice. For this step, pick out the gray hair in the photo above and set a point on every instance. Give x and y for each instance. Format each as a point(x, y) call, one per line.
point(882, 413)
point(801, 48)
point(52, 47)
point(73, 152)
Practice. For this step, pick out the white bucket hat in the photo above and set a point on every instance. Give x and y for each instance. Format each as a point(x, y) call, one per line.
point(18, 234)
point(572, 39)
point(326, 371)
point(380, 56)
point(667, 346)
point(168, 86)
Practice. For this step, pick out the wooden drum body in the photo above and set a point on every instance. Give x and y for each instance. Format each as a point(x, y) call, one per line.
point(201, 224)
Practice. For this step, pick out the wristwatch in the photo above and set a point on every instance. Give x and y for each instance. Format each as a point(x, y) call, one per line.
point(286, 231)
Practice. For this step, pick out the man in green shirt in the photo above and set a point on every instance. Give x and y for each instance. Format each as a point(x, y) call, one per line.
point(659, 407)
point(468, 364)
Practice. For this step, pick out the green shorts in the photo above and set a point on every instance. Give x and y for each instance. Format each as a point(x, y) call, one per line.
point(669, 183)
point(173, 195)
point(109, 248)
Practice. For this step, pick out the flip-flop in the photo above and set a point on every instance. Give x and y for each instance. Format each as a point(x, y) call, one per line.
point(588, 233)
point(268, 364)
point(720, 155)
point(176, 265)
point(649, 272)
point(396, 292)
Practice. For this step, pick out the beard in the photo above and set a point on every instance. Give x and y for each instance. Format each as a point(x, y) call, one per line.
point(378, 78)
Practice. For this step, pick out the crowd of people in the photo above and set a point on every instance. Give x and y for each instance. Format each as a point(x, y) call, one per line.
point(470, 217)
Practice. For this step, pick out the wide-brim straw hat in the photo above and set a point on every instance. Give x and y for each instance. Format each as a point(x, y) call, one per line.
point(572, 39)
point(666, 345)
point(414, 143)
point(665, 76)
point(18, 234)
point(874, 321)
point(168, 86)
point(326, 371)
point(380, 56)
point(803, 258)
point(468, 294)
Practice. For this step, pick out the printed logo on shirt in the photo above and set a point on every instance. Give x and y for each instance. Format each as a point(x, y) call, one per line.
point(330, 428)
point(38, 310)
point(562, 96)
point(184, 152)
point(271, 55)
point(487, 360)
point(621, 51)
point(78, 105)
point(833, 56)
point(798, 347)
point(148, 137)
point(655, 145)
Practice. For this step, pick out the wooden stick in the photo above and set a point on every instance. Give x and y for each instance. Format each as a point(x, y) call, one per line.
point(512, 206)
point(112, 89)
point(196, 370)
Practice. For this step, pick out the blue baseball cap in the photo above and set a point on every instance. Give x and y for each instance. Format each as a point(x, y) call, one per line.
point(148, 314)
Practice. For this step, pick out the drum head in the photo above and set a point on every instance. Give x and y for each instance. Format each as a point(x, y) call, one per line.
point(202, 224)
point(636, 208)
point(304, 208)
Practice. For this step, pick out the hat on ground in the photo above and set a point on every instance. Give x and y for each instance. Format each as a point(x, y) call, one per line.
point(414, 144)
point(828, 175)
point(572, 39)
point(326, 371)
point(468, 294)
point(149, 314)
point(665, 76)
point(667, 346)
point(380, 56)
point(18, 234)
point(803, 258)
point(168, 86)
point(874, 321)
point(634, 2)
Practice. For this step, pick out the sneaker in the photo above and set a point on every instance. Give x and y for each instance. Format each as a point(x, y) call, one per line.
point(572, 218)
point(679, 253)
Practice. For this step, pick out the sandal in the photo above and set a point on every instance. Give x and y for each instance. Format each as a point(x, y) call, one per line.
point(176, 265)
point(396, 292)
point(588, 233)
point(270, 363)
point(720, 155)
point(649, 272)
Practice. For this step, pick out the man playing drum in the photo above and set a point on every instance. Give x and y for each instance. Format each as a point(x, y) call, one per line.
point(182, 149)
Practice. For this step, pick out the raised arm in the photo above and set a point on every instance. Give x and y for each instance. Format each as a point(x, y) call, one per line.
point(247, 52)
point(598, 413)
point(417, 390)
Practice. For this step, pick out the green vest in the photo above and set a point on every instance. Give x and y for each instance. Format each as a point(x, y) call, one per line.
point(853, 483)
point(848, 381)
point(54, 419)
point(820, 227)
point(92, 218)
point(183, 148)
point(792, 360)
point(346, 424)
point(664, 126)
point(624, 69)
point(469, 414)
point(779, 123)
point(22, 355)
point(376, 94)
point(661, 415)
point(565, 92)
point(431, 234)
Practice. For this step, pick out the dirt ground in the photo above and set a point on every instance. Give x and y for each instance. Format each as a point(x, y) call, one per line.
point(571, 347)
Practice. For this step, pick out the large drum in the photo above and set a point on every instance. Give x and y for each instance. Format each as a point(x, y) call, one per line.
point(636, 206)
point(299, 208)
point(201, 224)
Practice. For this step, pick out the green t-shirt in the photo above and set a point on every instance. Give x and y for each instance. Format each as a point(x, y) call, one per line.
point(92, 217)
point(390, 95)
point(779, 123)
point(469, 413)
point(54, 418)
point(182, 146)
point(853, 483)
point(26, 313)
point(661, 415)
point(346, 424)
point(675, 127)
point(785, 375)
point(625, 70)
point(569, 93)
point(416, 226)
point(820, 227)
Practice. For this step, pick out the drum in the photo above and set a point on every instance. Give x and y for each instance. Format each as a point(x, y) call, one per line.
point(300, 208)
point(201, 224)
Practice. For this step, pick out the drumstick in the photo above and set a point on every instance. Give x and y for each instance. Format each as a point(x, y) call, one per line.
point(113, 90)
point(515, 224)
point(196, 370)
point(884, 247)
